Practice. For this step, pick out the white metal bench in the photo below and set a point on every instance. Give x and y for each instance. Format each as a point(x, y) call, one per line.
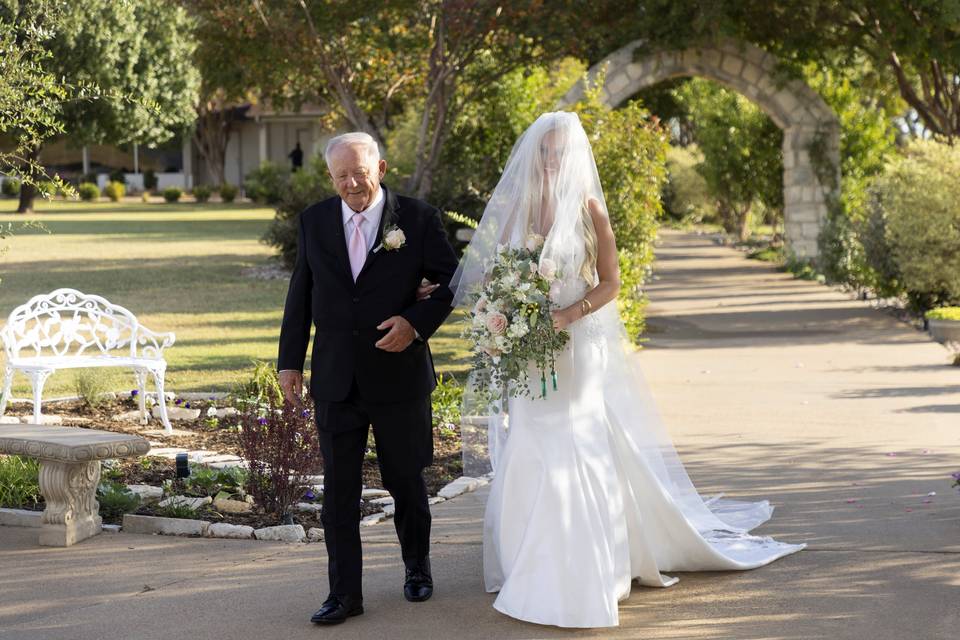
point(69, 329)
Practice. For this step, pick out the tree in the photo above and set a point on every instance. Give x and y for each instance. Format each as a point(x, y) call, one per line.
point(741, 147)
point(130, 67)
point(371, 61)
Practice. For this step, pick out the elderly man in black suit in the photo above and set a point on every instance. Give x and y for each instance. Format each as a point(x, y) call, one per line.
point(361, 257)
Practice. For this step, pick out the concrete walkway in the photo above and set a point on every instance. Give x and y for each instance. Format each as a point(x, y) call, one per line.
point(772, 388)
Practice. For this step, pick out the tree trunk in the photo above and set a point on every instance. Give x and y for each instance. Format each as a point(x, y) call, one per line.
point(212, 135)
point(27, 190)
point(743, 223)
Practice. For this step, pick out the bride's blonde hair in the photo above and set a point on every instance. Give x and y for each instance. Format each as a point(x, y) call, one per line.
point(588, 269)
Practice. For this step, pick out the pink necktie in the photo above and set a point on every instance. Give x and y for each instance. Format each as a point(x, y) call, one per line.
point(357, 248)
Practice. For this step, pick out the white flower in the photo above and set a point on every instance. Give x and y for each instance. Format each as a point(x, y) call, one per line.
point(501, 248)
point(533, 267)
point(211, 412)
point(548, 268)
point(534, 241)
point(394, 239)
point(496, 323)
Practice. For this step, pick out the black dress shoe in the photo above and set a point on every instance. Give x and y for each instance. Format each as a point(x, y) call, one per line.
point(419, 583)
point(337, 609)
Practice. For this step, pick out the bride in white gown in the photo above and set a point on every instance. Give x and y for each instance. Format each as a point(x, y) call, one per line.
point(588, 492)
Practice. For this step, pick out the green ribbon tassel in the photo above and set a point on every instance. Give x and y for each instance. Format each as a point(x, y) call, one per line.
point(543, 385)
point(553, 374)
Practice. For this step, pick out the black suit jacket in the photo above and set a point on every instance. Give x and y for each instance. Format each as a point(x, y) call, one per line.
point(346, 314)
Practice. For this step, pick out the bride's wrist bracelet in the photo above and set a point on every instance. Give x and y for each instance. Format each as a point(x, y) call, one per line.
point(585, 307)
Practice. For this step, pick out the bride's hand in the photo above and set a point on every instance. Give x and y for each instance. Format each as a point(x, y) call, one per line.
point(561, 319)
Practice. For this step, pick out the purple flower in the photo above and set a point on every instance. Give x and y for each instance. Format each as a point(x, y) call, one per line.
point(310, 495)
point(305, 413)
point(262, 420)
point(177, 401)
point(134, 393)
point(956, 476)
point(187, 405)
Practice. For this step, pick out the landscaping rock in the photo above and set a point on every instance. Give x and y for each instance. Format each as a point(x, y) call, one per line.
point(283, 533)
point(177, 413)
point(146, 492)
point(459, 486)
point(201, 395)
point(9, 419)
point(110, 528)
point(315, 534)
point(389, 509)
point(193, 503)
point(164, 526)
point(372, 519)
point(232, 506)
point(227, 412)
point(369, 494)
point(44, 419)
point(309, 507)
point(226, 464)
point(20, 518)
point(130, 416)
point(382, 501)
point(436, 500)
point(235, 531)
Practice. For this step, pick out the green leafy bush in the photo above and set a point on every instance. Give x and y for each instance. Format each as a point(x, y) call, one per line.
point(206, 481)
point(447, 399)
point(115, 190)
point(172, 194)
point(261, 385)
point(202, 193)
point(228, 192)
point(917, 198)
point(11, 187)
point(91, 385)
point(19, 482)
point(686, 197)
point(266, 184)
point(305, 187)
point(944, 313)
point(88, 191)
point(630, 150)
point(115, 500)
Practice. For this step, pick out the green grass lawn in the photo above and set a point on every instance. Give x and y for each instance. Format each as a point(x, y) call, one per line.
point(177, 267)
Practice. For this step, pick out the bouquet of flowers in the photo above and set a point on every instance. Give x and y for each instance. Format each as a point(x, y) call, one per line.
point(510, 323)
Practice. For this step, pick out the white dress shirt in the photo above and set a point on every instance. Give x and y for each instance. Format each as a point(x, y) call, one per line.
point(372, 216)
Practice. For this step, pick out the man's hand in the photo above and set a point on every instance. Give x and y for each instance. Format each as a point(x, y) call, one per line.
point(291, 383)
point(400, 336)
point(425, 289)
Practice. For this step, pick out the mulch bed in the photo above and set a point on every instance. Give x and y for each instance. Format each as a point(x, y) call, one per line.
point(210, 435)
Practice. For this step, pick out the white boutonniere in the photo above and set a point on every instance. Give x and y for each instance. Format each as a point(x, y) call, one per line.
point(393, 239)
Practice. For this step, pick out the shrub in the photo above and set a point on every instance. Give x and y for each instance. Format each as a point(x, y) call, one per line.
point(447, 399)
point(115, 500)
point(47, 188)
point(917, 198)
point(944, 313)
point(172, 194)
point(207, 481)
point(118, 175)
point(305, 187)
point(202, 193)
point(11, 187)
point(177, 510)
point(267, 183)
point(115, 190)
point(19, 482)
point(261, 386)
point(91, 386)
point(686, 197)
point(228, 192)
point(281, 445)
point(630, 150)
point(88, 191)
point(149, 180)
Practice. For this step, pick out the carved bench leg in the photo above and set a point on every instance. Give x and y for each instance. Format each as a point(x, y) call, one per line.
point(70, 491)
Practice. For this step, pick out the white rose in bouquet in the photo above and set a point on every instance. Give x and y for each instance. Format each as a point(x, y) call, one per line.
point(548, 268)
point(496, 323)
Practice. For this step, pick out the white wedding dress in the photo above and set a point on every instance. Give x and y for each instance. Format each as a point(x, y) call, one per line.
point(589, 494)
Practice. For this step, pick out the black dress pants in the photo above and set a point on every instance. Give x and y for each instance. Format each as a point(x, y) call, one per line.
point(404, 440)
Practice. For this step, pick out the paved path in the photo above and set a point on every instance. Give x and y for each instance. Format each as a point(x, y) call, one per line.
point(771, 387)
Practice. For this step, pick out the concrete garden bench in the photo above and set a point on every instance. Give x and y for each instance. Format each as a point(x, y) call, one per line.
point(69, 474)
point(69, 329)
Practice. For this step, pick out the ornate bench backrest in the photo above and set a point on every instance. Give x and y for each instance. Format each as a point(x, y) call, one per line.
point(67, 322)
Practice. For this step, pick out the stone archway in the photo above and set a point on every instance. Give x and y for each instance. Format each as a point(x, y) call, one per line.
point(796, 108)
